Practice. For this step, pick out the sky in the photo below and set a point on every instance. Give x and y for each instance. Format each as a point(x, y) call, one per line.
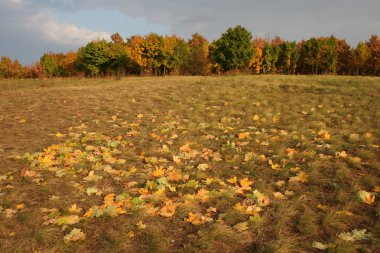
point(29, 28)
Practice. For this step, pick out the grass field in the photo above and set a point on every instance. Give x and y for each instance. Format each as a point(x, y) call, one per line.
point(190, 164)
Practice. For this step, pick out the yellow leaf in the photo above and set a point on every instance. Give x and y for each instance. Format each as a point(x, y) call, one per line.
point(322, 207)
point(131, 234)
point(141, 225)
point(300, 178)
point(140, 115)
point(74, 209)
point(59, 135)
point(232, 180)
point(75, 235)
point(245, 183)
point(196, 219)
point(256, 117)
point(347, 213)
point(168, 209)
point(242, 226)
point(366, 197)
point(279, 195)
point(176, 159)
point(202, 167)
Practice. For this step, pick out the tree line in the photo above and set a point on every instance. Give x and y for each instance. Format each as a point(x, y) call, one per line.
point(236, 51)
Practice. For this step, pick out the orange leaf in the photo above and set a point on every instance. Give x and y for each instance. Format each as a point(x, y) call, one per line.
point(168, 209)
point(244, 135)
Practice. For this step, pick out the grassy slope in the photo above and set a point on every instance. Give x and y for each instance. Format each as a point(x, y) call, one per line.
point(195, 109)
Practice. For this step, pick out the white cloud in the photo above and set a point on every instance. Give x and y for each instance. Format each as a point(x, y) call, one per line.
point(63, 33)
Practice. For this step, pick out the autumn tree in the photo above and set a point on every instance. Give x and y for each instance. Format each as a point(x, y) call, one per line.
point(69, 63)
point(345, 57)
point(135, 50)
point(361, 56)
point(373, 45)
point(233, 50)
point(174, 53)
point(198, 62)
point(34, 71)
point(9, 68)
point(52, 63)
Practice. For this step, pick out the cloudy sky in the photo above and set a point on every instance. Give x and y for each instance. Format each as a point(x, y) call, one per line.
point(28, 28)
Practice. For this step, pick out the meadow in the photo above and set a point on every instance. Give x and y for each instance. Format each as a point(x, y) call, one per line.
point(190, 164)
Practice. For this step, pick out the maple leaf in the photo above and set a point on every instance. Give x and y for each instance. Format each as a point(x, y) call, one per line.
point(174, 176)
point(151, 210)
point(256, 117)
point(319, 245)
point(242, 226)
point(75, 235)
point(158, 172)
point(232, 180)
point(243, 135)
point(279, 195)
point(202, 195)
point(141, 225)
point(366, 197)
point(168, 209)
point(74, 209)
point(92, 177)
point(300, 178)
point(176, 159)
point(131, 234)
point(245, 183)
point(202, 167)
point(67, 220)
point(196, 219)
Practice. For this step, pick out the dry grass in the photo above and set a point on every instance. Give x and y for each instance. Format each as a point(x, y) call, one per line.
point(291, 111)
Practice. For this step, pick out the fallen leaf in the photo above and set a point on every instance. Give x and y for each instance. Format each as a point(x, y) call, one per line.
point(242, 226)
point(366, 197)
point(158, 172)
point(202, 167)
point(243, 136)
point(20, 206)
point(319, 245)
point(141, 225)
point(75, 235)
point(168, 209)
point(196, 219)
point(245, 183)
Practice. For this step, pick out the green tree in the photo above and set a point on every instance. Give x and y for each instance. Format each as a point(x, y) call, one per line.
point(331, 54)
point(271, 54)
point(94, 58)
point(288, 57)
point(233, 50)
point(52, 64)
